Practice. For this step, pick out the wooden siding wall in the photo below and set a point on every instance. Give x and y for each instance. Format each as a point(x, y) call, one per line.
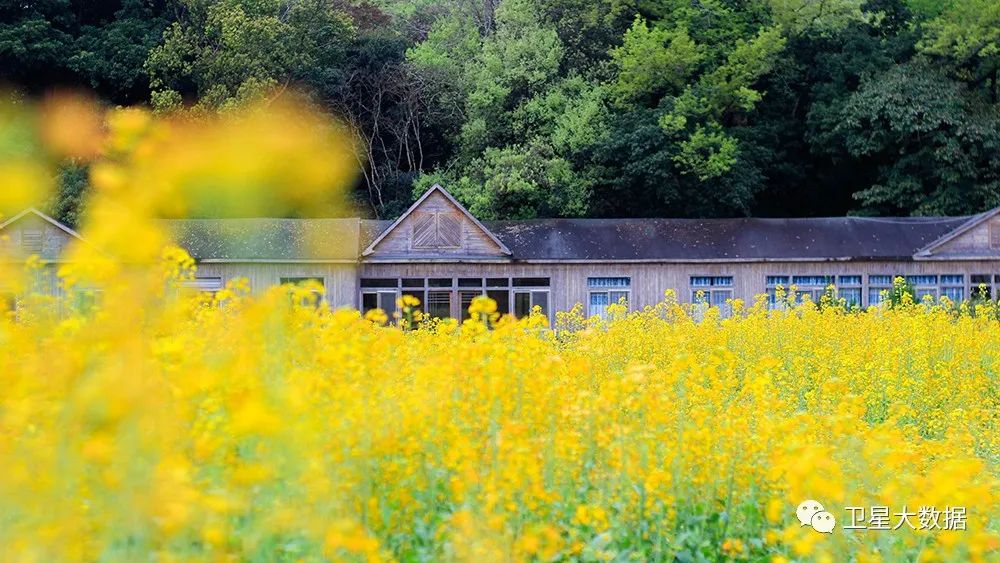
point(340, 280)
point(650, 281)
point(437, 228)
point(53, 239)
point(981, 239)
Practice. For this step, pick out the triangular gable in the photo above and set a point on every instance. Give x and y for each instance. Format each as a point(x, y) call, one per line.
point(32, 211)
point(980, 235)
point(33, 232)
point(437, 225)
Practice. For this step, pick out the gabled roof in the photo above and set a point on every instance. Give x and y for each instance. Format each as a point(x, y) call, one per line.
point(970, 224)
point(268, 240)
point(50, 220)
point(745, 239)
point(436, 188)
point(678, 240)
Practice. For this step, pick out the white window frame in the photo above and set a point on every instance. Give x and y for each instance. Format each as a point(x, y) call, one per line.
point(815, 291)
point(876, 286)
point(595, 287)
point(951, 286)
point(771, 284)
point(841, 285)
point(205, 284)
point(932, 289)
point(378, 292)
point(991, 282)
point(713, 291)
point(532, 291)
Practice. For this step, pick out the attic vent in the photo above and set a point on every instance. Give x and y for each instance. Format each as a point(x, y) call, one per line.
point(31, 240)
point(995, 235)
point(436, 230)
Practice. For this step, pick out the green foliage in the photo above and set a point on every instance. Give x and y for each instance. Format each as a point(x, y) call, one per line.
point(967, 36)
point(815, 16)
point(653, 61)
point(707, 153)
point(946, 147)
point(517, 182)
point(530, 108)
point(230, 51)
point(902, 294)
point(71, 192)
point(76, 43)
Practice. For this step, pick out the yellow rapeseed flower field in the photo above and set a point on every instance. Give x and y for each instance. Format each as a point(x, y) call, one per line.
point(163, 425)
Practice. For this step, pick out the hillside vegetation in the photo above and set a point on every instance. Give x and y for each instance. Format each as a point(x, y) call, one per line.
point(605, 108)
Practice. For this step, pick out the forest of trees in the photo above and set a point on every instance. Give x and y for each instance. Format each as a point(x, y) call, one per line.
point(599, 108)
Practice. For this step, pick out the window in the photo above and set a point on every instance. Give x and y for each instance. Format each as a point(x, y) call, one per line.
point(31, 240)
point(439, 304)
point(448, 297)
point(812, 280)
point(419, 294)
point(380, 299)
point(502, 297)
point(531, 282)
point(923, 286)
point(813, 286)
point(982, 286)
point(607, 291)
point(772, 283)
point(953, 287)
point(525, 301)
point(465, 298)
point(496, 289)
point(877, 286)
point(317, 294)
point(712, 290)
point(207, 284)
point(8, 302)
point(86, 301)
point(302, 281)
point(849, 289)
point(380, 282)
point(528, 293)
point(709, 281)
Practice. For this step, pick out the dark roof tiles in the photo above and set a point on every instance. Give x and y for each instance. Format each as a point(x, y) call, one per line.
point(721, 239)
point(587, 239)
point(268, 239)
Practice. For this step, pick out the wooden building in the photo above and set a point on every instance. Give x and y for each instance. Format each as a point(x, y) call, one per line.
point(438, 252)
